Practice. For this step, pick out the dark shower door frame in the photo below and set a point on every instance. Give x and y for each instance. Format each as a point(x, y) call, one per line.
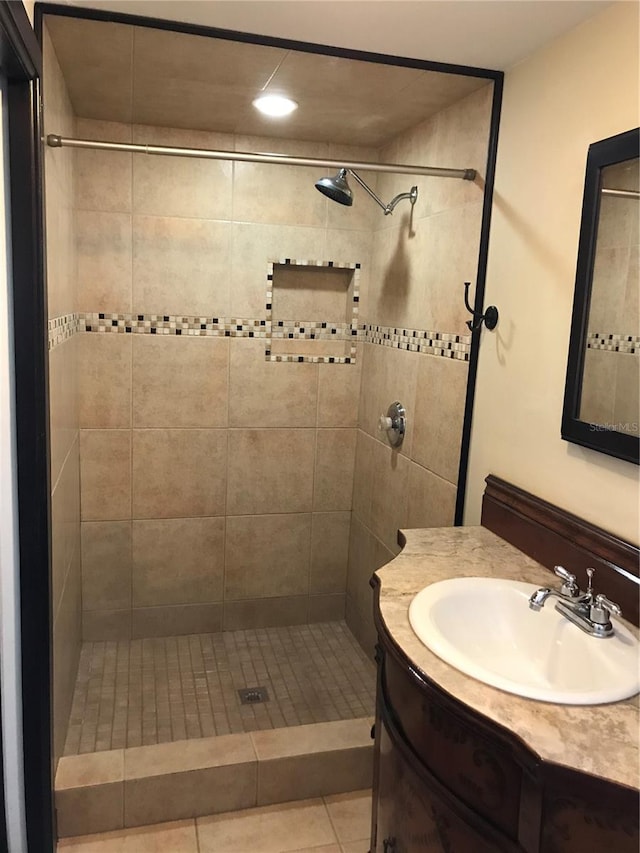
point(21, 61)
point(31, 368)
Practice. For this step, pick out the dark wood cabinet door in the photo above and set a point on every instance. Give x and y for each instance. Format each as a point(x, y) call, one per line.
point(412, 816)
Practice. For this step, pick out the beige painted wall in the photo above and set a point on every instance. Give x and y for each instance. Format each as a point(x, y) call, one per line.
point(581, 88)
point(29, 8)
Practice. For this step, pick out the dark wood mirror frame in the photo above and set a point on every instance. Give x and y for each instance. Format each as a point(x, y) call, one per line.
point(615, 149)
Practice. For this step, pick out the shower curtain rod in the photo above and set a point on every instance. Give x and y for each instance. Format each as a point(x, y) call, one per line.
point(55, 141)
point(621, 193)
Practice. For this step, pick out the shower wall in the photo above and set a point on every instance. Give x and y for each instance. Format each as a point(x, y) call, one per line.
point(216, 485)
point(63, 344)
point(415, 311)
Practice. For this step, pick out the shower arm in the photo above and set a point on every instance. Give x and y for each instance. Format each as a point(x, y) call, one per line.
point(390, 207)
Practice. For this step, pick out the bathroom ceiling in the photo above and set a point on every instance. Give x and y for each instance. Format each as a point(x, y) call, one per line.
point(123, 73)
point(482, 33)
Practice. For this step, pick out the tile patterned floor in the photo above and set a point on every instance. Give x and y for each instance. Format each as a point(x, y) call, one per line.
point(336, 824)
point(139, 692)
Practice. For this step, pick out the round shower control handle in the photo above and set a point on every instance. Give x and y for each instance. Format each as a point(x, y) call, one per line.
point(394, 423)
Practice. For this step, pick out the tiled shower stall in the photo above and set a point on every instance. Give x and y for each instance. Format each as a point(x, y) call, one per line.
point(208, 477)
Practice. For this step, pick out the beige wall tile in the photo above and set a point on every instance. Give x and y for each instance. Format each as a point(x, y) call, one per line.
point(176, 619)
point(269, 394)
point(361, 568)
point(103, 177)
point(181, 266)
point(339, 393)
point(598, 387)
point(350, 814)
point(363, 476)
point(303, 292)
point(104, 261)
point(102, 625)
point(389, 495)
point(63, 402)
point(253, 246)
point(277, 195)
point(180, 381)
point(271, 829)
point(437, 433)
point(267, 556)
point(175, 837)
point(183, 795)
point(105, 381)
point(449, 257)
point(326, 608)
point(626, 408)
point(106, 565)
point(431, 501)
point(284, 779)
point(105, 474)
point(176, 186)
point(333, 475)
point(270, 471)
point(178, 473)
point(329, 551)
point(177, 561)
point(65, 522)
point(265, 612)
point(388, 375)
point(398, 261)
point(462, 137)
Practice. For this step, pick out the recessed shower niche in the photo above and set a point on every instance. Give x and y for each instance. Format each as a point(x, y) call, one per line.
point(312, 311)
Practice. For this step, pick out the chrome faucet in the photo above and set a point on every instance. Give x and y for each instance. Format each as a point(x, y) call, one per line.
point(590, 613)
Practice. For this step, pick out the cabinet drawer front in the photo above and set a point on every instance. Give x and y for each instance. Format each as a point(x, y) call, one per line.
point(413, 817)
point(472, 766)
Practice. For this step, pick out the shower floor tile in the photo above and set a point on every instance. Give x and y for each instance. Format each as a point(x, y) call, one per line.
point(138, 692)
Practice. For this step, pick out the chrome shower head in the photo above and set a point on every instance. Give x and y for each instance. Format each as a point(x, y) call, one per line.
point(337, 188)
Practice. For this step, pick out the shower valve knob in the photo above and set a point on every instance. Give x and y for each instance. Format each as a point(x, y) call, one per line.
point(394, 423)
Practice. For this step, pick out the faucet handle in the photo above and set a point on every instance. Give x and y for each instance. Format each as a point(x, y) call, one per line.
point(603, 603)
point(569, 586)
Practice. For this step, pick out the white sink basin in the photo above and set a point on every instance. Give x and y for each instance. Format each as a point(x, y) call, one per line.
point(485, 628)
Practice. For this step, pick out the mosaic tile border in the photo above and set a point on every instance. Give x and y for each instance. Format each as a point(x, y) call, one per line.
point(343, 331)
point(435, 343)
point(629, 344)
point(60, 329)
point(441, 344)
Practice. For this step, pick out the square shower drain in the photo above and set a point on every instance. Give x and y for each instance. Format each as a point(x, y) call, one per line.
point(253, 695)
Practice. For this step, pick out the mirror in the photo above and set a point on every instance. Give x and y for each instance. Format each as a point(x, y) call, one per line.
point(601, 403)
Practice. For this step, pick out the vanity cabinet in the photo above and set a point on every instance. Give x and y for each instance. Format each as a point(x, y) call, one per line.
point(449, 780)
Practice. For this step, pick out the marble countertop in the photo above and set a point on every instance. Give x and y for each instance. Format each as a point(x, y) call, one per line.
point(598, 739)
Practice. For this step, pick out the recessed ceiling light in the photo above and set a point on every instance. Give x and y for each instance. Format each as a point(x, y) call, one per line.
point(275, 106)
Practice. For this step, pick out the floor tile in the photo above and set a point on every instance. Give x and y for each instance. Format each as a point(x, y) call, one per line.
point(132, 693)
point(177, 837)
point(270, 829)
point(350, 815)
